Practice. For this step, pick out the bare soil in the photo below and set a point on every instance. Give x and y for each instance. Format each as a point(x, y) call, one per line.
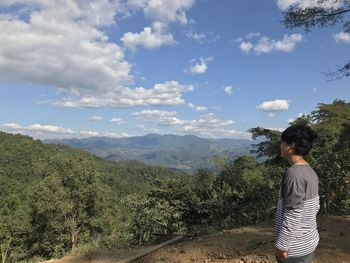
point(254, 244)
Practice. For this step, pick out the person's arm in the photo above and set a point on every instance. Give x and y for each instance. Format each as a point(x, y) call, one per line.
point(279, 213)
point(293, 200)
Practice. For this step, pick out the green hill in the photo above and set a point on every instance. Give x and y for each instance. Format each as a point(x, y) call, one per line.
point(54, 197)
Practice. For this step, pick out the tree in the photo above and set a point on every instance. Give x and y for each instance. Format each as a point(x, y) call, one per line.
point(268, 148)
point(329, 156)
point(55, 199)
point(169, 207)
point(324, 13)
point(328, 121)
point(305, 119)
point(14, 221)
point(64, 203)
point(203, 183)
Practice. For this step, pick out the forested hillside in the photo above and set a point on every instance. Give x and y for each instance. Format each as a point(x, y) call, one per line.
point(244, 191)
point(56, 200)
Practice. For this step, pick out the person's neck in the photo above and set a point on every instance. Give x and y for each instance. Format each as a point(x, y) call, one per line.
point(296, 160)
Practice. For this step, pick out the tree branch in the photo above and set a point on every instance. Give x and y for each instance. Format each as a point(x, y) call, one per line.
point(304, 17)
point(341, 72)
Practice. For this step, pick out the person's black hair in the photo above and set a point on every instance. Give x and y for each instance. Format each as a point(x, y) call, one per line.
point(302, 136)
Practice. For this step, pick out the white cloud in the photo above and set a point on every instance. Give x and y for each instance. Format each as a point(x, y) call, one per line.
point(37, 128)
point(201, 108)
point(115, 135)
point(274, 106)
point(96, 118)
point(287, 44)
point(197, 108)
point(89, 133)
point(165, 11)
point(264, 45)
point(228, 90)
point(117, 121)
point(207, 125)
point(161, 12)
point(267, 45)
point(12, 126)
point(53, 49)
point(41, 131)
point(191, 105)
point(199, 67)
point(342, 37)
point(149, 38)
point(209, 37)
point(142, 127)
point(154, 114)
point(62, 45)
point(48, 129)
point(168, 93)
point(196, 36)
point(246, 46)
point(285, 4)
point(90, 12)
point(271, 114)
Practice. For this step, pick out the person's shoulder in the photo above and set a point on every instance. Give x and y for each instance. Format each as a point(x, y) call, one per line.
point(300, 173)
point(291, 171)
point(294, 173)
point(298, 167)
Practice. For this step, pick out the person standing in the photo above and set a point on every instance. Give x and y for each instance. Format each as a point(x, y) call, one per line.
point(298, 202)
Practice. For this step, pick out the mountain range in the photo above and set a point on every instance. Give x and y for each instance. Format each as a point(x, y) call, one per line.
point(187, 153)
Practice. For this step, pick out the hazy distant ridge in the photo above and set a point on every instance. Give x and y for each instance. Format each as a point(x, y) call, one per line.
point(181, 152)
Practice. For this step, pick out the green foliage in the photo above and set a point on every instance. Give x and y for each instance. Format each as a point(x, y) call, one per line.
point(243, 191)
point(64, 203)
point(169, 207)
point(268, 148)
point(329, 157)
point(14, 222)
point(243, 194)
point(203, 183)
point(55, 199)
point(305, 119)
point(329, 121)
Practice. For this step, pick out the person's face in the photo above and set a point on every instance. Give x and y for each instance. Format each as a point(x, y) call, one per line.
point(286, 150)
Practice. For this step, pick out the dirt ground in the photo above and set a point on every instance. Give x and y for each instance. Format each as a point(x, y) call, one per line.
point(245, 245)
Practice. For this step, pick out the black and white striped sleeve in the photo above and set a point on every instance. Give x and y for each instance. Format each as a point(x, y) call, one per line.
point(293, 195)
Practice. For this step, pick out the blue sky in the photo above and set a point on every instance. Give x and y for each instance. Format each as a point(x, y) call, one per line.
point(125, 68)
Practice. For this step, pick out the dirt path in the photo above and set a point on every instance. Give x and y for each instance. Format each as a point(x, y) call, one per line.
point(247, 244)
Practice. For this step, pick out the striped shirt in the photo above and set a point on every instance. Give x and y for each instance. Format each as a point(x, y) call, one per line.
point(297, 207)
